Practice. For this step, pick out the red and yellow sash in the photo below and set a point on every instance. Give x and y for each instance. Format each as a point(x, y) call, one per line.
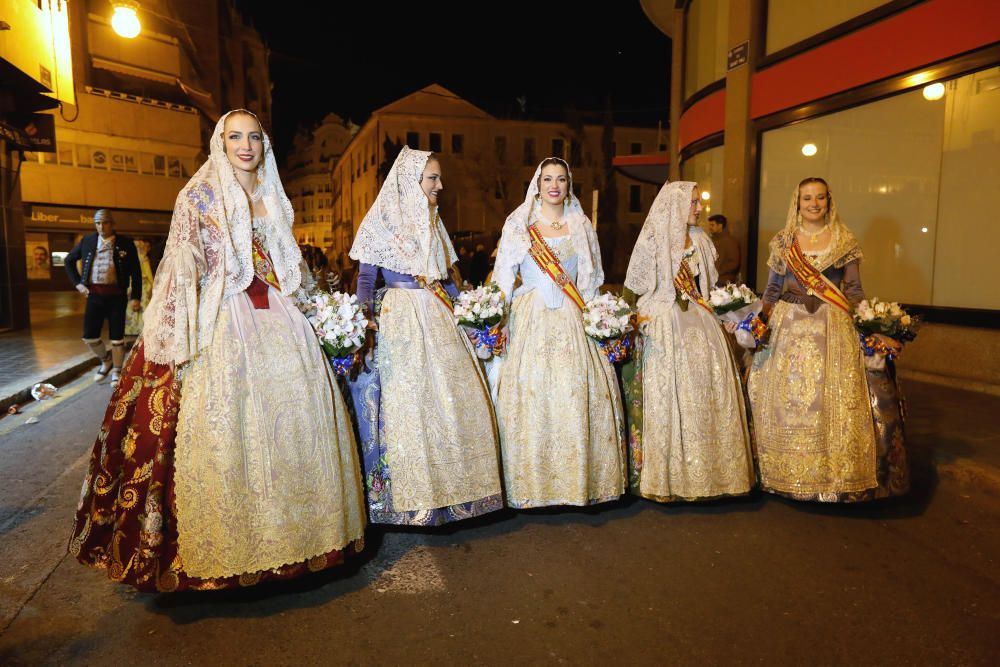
point(549, 264)
point(813, 279)
point(684, 283)
point(435, 288)
point(262, 265)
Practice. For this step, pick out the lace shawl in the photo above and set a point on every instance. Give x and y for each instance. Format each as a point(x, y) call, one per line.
point(844, 246)
point(656, 257)
point(399, 232)
point(208, 254)
point(515, 241)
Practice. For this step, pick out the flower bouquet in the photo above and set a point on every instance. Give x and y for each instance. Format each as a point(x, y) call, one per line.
point(739, 305)
point(480, 312)
point(888, 319)
point(339, 323)
point(608, 319)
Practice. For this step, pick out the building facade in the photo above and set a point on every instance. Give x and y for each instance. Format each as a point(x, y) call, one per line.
point(487, 163)
point(307, 179)
point(896, 104)
point(36, 76)
point(139, 122)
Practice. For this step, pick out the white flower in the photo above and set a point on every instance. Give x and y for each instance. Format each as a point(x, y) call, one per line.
point(607, 316)
point(480, 307)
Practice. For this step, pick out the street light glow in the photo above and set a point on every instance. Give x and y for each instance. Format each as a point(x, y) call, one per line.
point(125, 22)
point(809, 149)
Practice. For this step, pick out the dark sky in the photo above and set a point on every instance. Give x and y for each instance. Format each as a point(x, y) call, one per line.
point(352, 58)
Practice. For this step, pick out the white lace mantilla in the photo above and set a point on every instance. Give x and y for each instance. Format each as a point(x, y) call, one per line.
point(658, 251)
point(208, 255)
point(515, 241)
point(399, 232)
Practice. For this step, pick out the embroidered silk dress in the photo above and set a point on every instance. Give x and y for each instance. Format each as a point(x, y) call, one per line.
point(226, 455)
point(558, 404)
point(688, 436)
point(827, 429)
point(425, 420)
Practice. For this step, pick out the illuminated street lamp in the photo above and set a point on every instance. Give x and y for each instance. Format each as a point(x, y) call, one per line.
point(124, 20)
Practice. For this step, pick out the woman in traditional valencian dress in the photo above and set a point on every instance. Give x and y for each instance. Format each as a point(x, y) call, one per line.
point(226, 455)
point(558, 406)
point(687, 421)
point(426, 424)
point(826, 428)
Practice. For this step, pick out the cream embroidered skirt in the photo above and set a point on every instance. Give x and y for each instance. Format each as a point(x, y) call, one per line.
point(439, 431)
point(266, 468)
point(559, 411)
point(693, 441)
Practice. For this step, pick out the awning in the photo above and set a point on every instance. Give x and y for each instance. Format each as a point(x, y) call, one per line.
point(170, 88)
point(649, 168)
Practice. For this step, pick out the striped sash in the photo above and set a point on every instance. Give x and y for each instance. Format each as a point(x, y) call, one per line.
point(813, 279)
point(684, 283)
point(550, 266)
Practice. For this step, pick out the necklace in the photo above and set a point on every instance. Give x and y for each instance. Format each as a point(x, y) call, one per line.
point(812, 236)
point(556, 225)
point(256, 195)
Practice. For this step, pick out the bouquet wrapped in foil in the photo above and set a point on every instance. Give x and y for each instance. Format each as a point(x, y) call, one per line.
point(739, 305)
point(609, 320)
point(339, 323)
point(480, 312)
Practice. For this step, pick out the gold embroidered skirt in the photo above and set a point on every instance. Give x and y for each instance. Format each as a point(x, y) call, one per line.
point(439, 432)
point(266, 467)
point(559, 411)
point(693, 441)
point(811, 407)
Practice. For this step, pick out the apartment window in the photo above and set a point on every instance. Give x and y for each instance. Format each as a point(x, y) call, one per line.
point(575, 153)
point(435, 142)
point(636, 148)
point(558, 145)
point(413, 140)
point(500, 148)
point(635, 198)
point(66, 154)
point(83, 154)
point(457, 143)
point(529, 153)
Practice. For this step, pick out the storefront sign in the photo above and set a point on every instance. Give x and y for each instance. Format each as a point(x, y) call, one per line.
point(39, 217)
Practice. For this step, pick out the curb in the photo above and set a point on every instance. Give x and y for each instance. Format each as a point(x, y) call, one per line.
point(57, 375)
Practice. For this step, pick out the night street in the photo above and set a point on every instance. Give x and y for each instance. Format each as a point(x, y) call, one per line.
point(660, 332)
point(757, 580)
